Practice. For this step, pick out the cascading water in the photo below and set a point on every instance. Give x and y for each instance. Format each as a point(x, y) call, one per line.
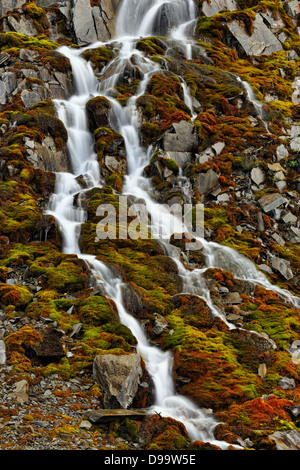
point(136, 18)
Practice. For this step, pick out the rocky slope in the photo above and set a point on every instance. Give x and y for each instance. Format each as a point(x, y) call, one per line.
point(240, 156)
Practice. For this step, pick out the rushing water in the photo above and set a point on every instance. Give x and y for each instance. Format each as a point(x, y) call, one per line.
point(138, 18)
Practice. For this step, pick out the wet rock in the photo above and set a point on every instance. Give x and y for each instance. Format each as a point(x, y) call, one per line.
point(166, 18)
point(283, 267)
point(261, 42)
point(98, 111)
point(269, 202)
point(116, 164)
point(119, 378)
point(181, 158)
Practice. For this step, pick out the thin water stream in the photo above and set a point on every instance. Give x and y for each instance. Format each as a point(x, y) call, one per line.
point(135, 19)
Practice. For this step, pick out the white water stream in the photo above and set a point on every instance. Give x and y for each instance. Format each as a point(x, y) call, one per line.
point(137, 18)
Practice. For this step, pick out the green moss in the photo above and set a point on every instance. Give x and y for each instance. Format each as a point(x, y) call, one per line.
point(97, 310)
point(16, 295)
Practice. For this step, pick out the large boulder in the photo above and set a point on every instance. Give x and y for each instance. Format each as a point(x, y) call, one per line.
point(83, 22)
point(180, 138)
point(94, 23)
point(261, 42)
point(119, 378)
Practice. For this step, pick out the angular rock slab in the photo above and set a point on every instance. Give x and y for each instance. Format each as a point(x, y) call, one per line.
point(181, 138)
point(210, 8)
point(270, 202)
point(286, 440)
point(261, 42)
point(119, 378)
point(104, 416)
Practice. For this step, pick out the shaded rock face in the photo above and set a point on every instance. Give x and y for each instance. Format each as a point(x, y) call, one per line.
point(119, 378)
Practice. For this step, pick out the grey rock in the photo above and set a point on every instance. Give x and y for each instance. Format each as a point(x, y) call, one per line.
point(261, 42)
point(2, 92)
point(104, 416)
point(23, 26)
point(206, 182)
point(181, 158)
point(295, 144)
point(292, 8)
point(46, 156)
point(8, 5)
point(286, 440)
point(278, 239)
point(181, 138)
point(119, 378)
point(286, 383)
point(296, 92)
point(83, 22)
point(2, 352)
point(280, 185)
point(30, 98)
point(274, 23)
point(28, 55)
point(20, 394)
point(160, 324)
point(269, 202)
point(233, 298)
point(209, 8)
point(283, 267)
point(265, 268)
point(295, 234)
point(294, 131)
point(45, 3)
point(289, 218)
point(116, 164)
point(257, 176)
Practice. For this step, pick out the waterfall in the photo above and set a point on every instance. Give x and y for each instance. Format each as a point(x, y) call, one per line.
point(136, 18)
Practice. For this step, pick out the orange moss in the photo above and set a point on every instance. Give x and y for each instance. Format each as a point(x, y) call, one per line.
point(258, 413)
